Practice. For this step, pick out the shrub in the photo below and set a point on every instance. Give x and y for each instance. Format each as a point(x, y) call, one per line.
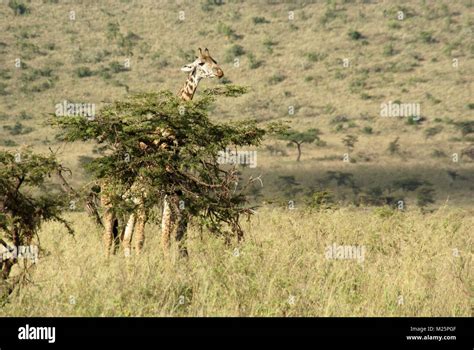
point(253, 62)
point(260, 20)
point(355, 35)
point(368, 130)
point(321, 200)
point(83, 72)
point(466, 127)
point(276, 78)
point(430, 132)
point(315, 57)
point(233, 52)
point(394, 146)
point(427, 38)
point(18, 8)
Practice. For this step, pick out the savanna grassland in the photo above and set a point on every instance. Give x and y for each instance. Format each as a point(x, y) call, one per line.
point(403, 189)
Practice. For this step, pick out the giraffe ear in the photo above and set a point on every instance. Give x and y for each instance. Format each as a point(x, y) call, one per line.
point(206, 52)
point(200, 52)
point(187, 68)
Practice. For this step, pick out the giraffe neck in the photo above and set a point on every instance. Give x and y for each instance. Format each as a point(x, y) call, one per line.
point(190, 86)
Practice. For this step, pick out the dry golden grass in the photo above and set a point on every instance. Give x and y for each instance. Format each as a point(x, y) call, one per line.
point(411, 268)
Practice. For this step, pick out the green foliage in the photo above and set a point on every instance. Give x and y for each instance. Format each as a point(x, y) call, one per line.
point(233, 52)
point(425, 196)
point(315, 56)
point(295, 137)
point(466, 127)
point(355, 35)
point(172, 147)
point(24, 205)
point(18, 129)
point(227, 31)
point(427, 37)
point(269, 44)
point(368, 130)
point(321, 200)
point(259, 20)
point(409, 184)
point(394, 146)
point(254, 63)
point(9, 143)
point(341, 178)
point(435, 130)
point(18, 8)
point(276, 78)
point(83, 72)
point(300, 136)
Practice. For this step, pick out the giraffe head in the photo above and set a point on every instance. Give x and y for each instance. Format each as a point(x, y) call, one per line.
point(204, 66)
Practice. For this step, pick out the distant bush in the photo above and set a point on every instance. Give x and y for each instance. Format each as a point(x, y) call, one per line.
point(368, 130)
point(233, 52)
point(408, 184)
point(269, 44)
point(315, 56)
point(414, 120)
point(389, 50)
point(466, 127)
point(321, 200)
point(18, 129)
point(339, 119)
point(427, 38)
point(18, 8)
point(355, 35)
point(394, 146)
point(227, 31)
point(438, 154)
point(117, 67)
point(253, 62)
point(9, 143)
point(276, 78)
point(24, 116)
point(430, 132)
point(3, 89)
point(260, 20)
point(425, 196)
point(83, 72)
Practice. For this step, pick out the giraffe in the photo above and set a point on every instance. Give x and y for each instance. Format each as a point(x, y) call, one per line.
point(204, 66)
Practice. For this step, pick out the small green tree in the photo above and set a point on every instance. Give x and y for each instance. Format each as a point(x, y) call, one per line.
point(170, 147)
point(24, 206)
point(299, 137)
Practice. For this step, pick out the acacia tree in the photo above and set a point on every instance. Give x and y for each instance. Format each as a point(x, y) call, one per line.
point(298, 137)
point(170, 147)
point(24, 176)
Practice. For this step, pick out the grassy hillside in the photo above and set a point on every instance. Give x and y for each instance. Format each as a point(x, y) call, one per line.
point(333, 63)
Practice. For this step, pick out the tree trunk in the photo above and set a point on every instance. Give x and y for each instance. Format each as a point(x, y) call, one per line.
point(299, 151)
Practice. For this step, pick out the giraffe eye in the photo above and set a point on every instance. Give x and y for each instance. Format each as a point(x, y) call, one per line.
point(201, 63)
